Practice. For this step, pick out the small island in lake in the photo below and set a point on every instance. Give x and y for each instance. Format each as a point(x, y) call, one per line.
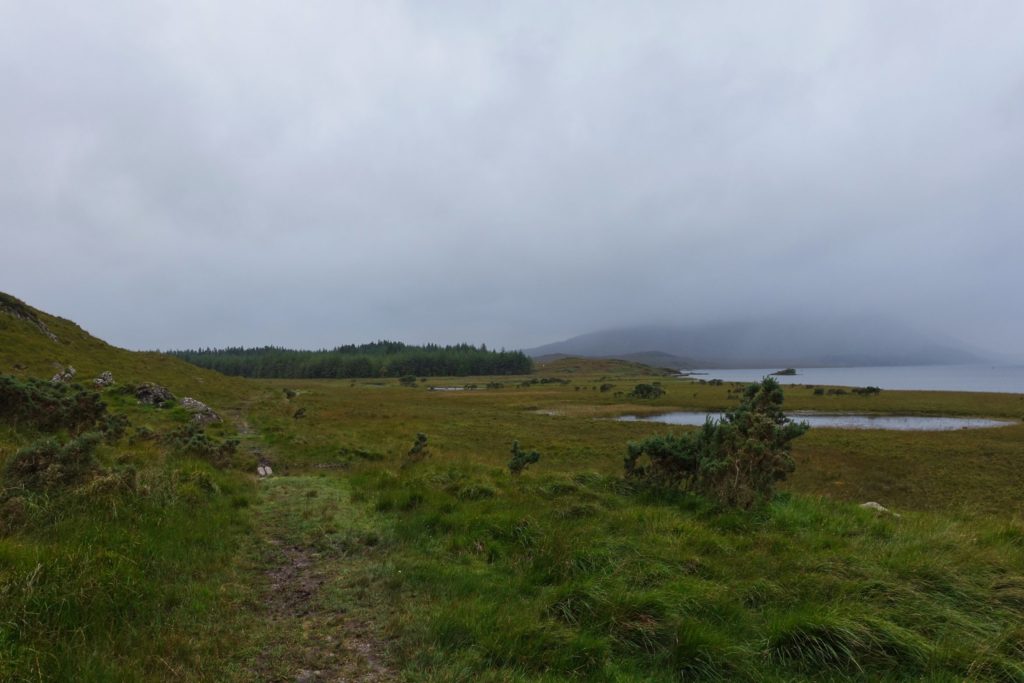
point(786, 372)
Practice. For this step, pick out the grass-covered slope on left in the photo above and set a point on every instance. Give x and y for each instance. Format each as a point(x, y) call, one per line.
point(120, 522)
point(36, 344)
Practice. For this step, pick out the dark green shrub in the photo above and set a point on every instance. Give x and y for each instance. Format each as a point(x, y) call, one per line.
point(190, 439)
point(418, 451)
point(646, 391)
point(521, 459)
point(48, 407)
point(607, 387)
point(407, 380)
point(49, 464)
point(736, 460)
point(113, 427)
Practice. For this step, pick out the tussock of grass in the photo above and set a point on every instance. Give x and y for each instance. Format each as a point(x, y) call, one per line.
point(646, 589)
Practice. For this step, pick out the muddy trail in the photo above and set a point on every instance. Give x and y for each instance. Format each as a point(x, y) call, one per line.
point(311, 550)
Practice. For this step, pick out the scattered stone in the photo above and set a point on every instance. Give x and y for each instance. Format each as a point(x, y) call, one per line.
point(264, 470)
point(153, 394)
point(202, 414)
point(19, 309)
point(105, 379)
point(299, 414)
point(64, 376)
point(878, 508)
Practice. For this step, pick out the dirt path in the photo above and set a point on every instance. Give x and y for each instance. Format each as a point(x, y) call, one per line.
point(316, 623)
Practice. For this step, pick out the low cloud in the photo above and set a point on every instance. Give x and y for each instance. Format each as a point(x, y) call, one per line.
point(192, 174)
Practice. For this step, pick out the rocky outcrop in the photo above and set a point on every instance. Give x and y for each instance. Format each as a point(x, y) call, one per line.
point(153, 394)
point(105, 379)
point(16, 308)
point(202, 414)
point(64, 376)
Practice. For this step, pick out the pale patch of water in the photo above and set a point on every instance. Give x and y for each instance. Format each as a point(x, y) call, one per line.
point(840, 421)
point(990, 378)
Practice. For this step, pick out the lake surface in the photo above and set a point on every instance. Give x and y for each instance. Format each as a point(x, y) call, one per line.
point(840, 421)
point(1001, 379)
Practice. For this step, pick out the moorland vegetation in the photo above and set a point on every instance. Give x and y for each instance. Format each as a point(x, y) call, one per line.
point(138, 545)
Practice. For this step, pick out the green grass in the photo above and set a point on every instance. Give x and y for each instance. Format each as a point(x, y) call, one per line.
point(566, 573)
point(123, 587)
point(451, 569)
point(555, 577)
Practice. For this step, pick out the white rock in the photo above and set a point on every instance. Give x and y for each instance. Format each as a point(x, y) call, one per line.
point(878, 507)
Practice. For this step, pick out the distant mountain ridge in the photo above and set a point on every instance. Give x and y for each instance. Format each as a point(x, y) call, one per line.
point(769, 342)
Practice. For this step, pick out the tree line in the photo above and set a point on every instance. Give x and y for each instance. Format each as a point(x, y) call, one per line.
point(377, 359)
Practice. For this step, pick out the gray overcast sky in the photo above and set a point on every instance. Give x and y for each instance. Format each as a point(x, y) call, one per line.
point(315, 173)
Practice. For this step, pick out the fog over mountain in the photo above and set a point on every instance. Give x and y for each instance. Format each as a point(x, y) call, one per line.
point(245, 173)
point(784, 342)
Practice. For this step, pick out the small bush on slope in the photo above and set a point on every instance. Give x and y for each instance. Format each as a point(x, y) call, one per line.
point(736, 460)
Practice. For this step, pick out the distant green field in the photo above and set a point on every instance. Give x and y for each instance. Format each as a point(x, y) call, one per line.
point(356, 561)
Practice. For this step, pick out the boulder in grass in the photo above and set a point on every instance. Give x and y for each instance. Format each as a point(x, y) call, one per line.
point(202, 414)
point(105, 379)
point(64, 376)
point(153, 394)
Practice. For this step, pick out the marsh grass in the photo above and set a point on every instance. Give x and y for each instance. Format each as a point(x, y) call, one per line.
point(122, 586)
point(467, 573)
point(522, 586)
point(568, 572)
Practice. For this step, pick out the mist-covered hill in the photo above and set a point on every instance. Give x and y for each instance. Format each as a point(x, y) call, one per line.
point(769, 342)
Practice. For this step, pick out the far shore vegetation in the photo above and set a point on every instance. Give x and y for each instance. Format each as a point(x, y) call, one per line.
point(377, 359)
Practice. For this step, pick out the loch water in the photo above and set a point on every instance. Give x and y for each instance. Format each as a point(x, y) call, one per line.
point(986, 378)
point(840, 421)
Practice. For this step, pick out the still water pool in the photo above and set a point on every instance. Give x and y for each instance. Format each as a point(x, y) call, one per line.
point(840, 421)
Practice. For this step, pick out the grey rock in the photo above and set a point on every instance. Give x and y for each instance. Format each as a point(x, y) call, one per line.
point(105, 379)
point(153, 394)
point(202, 414)
point(64, 376)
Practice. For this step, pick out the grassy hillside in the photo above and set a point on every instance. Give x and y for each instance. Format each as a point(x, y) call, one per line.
point(36, 344)
point(115, 563)
point(161, 557)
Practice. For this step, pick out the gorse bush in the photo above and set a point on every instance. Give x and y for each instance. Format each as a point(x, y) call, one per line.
point(191, 439)
point(521, 459)
point(736, 460)
point(48, 407)
point(647, 391)
point(418, 451)
point(49, 464)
